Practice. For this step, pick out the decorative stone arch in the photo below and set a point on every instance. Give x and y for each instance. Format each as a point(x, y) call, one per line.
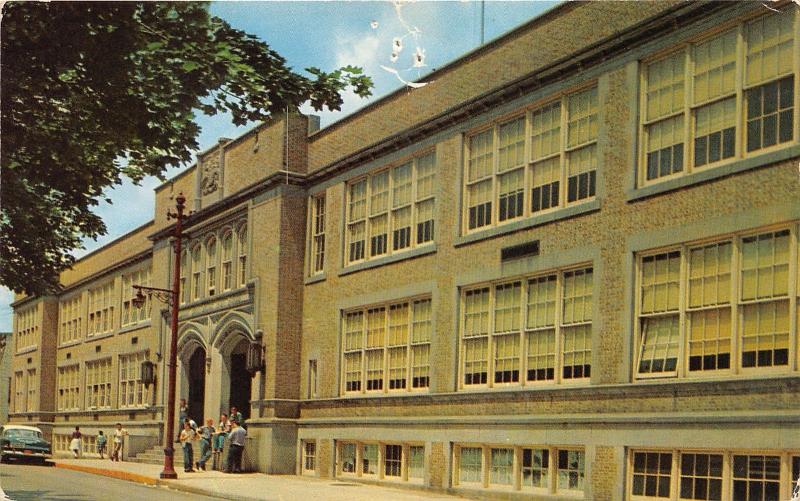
point(190, 337)
point(231, 326)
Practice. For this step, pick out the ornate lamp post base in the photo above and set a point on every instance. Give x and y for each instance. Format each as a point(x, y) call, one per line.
point(169, 471)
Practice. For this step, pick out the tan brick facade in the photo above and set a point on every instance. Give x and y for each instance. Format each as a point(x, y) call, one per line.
point(426, 351)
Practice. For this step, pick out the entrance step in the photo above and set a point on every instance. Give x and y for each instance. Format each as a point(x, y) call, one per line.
point(153, 455)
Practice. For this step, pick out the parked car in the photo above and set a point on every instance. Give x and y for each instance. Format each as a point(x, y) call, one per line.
point(23, 442)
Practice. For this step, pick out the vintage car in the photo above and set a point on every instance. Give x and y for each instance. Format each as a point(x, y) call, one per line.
point(23, 442)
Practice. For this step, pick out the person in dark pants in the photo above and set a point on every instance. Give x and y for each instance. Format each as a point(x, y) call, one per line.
point(188, 435)
point(236, 447)
point(206, 432)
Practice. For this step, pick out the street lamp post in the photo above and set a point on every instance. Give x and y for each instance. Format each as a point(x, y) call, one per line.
point(172, 298)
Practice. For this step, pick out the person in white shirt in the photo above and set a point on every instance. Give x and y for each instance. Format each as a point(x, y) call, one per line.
point(119, 436)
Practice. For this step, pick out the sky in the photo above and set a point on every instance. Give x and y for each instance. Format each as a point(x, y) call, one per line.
point(328, 35)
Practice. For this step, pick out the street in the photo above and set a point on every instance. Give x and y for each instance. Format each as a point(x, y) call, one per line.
point(26, 482)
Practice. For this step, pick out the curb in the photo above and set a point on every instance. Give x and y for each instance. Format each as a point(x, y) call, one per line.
point(141, 479)
point(121, 475)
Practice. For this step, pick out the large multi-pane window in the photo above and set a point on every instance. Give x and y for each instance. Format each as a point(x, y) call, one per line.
point(512, 174)
point(710, 475)
point(185, 291)
point(316, 225)
point(70, 316)
point(241, 246)
point(130, 313)
point(721, 98)
point(721, 306)
point(19, 391)
point(101, 309)
point(197, 272)
point(387, 347)
point(309, 456)
point(32, 402)
point(388, 461)
point(27, 327)
point(391, 210)
point(540, 470)
point(69, 388)
point(215, 262)
point(211, 266)
point(132, 391)
point(98, 384)
point(227, 260)
point(528, 331)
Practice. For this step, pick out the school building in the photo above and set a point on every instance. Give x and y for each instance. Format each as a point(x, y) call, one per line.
point(568, 268)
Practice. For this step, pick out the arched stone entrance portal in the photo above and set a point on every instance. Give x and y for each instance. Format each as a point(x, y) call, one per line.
point(237, 383)
point(197, 385)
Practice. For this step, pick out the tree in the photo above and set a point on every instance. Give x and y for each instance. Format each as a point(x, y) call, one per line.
point(92, 91)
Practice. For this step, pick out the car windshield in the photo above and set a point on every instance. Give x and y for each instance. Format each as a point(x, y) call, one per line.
point(22, 434)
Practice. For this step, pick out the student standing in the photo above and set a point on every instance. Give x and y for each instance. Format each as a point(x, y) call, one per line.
point(206, 432)
point(101, 443)
point(236, 416)
point(223, 427)
point(188, 435)
point(119, 437)
point(183, 413)
point(75, 443)
point(236, 447)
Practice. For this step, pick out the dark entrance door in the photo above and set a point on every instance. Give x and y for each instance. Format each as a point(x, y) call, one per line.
point(241, 383)
point(197, 385)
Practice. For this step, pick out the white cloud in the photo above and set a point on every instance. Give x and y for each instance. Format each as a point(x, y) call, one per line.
point(6, 298)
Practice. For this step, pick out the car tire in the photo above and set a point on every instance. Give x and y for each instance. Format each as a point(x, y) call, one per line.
point(3, 459)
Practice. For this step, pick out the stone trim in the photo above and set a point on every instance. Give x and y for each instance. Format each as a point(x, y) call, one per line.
point(424, 250)
point(712, 173)
point(567, 212)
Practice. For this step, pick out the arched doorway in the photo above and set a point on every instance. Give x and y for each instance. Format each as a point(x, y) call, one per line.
point(197, 385)
point(241, 383)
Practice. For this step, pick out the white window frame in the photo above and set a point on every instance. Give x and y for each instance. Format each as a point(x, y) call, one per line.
point(412, 205)
point(739, 94)
point(68, 387)
point(27, 324)
point(102, 301)
point(736, 305)
point(558, 327)
point(517, 469)
point(529, 163)
point(132, 315)
point(317, 219)
point(380, 472)
point(127, 385)
point(98, 383)
point(386, 347)
point(785, 481)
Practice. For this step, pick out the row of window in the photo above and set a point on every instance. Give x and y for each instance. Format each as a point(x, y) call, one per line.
point(101, 305)
point(386, 348)
point(556, 470)
point(27, 327)
point(26, 387)
point(389, 461)
point(61, 443)
point(721, 306)
point(211, 270)
point(98, 381)
point(721, 98)
point(712, 475)
point(389, 211)
point(724, 97)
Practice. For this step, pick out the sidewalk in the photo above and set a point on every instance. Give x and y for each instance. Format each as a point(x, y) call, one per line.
point(250, 486)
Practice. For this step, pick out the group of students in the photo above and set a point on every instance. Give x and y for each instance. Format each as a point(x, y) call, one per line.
point(76, 444)
point(212, 439)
